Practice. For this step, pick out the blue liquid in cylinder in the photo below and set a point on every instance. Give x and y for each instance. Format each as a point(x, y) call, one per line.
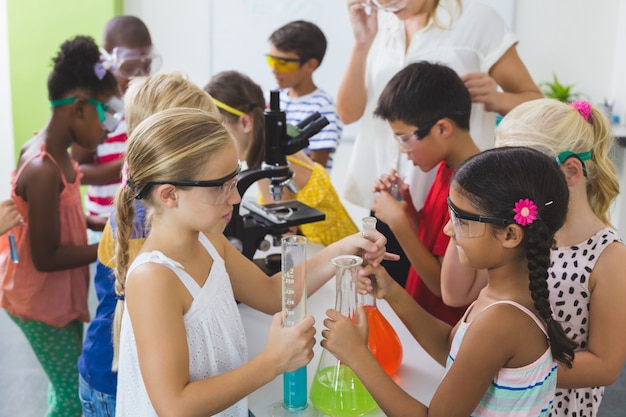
point(295, 389)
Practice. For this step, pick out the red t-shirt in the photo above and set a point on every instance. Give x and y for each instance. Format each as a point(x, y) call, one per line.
point(433, 218)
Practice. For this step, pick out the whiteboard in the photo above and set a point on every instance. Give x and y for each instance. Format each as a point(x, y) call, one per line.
point(240, 29)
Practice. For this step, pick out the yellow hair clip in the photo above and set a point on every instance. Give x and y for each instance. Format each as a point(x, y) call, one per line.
point(227, 108)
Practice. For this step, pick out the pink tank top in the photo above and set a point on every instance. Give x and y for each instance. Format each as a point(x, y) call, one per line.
point(58, 297)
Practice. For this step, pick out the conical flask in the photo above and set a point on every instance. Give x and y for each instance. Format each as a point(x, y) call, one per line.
point(336, 390)
point(383, 340)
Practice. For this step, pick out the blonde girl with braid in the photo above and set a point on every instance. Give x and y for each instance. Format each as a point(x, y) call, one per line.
point(182, 347)
point(97, 378)
point(501, 357)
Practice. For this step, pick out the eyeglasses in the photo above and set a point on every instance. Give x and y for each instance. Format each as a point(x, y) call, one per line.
point(283, 64)
point(408, 142)
point(127, 62)
point(110, 113)
point(225, 186)
point(471, 225)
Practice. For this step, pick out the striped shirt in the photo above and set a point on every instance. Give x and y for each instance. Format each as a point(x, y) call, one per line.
point(299, 108)
point(99, 198)
point(515, 392)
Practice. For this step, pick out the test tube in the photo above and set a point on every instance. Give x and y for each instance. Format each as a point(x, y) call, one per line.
point(395, 187)
point(13, 248)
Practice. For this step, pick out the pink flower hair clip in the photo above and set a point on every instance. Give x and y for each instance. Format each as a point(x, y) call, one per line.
point(583, 107)
point(525, 212)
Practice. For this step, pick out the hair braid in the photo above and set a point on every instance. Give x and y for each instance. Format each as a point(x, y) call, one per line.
point(538, 245)
point(124, 214)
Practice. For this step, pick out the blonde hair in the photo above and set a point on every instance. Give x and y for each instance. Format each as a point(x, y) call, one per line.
point(148, 95)
point(449, 7)
point(553, 127)
point(171, 145)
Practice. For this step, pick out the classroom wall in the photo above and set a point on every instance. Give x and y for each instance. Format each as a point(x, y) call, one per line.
point(576, 41)
point(582, 44)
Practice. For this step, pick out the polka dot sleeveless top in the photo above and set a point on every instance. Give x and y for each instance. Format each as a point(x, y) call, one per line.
point(570, 295)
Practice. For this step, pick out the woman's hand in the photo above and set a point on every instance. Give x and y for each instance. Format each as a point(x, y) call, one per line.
point(290, 348)
point(343, 338)
point(483, 89)
point(364, 24)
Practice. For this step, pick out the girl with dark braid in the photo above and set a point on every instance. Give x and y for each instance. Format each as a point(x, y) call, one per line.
point(501, 358)
point(587, 280)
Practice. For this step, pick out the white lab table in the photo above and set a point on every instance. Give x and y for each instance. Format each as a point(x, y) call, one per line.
point(419, 374)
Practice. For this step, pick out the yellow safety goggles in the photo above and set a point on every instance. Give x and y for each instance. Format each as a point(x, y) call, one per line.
point(283, 64)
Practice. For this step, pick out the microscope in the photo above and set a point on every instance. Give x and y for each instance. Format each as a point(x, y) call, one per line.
point(247, 232)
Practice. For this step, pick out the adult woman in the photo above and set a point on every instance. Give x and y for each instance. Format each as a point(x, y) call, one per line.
point(467, 36)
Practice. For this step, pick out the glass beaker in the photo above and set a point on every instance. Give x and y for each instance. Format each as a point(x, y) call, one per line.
point(383, 340)
point(336, 390)
point(293, 257)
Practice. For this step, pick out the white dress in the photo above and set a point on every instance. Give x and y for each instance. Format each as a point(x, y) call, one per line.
point(215, 336)
point(472, 41)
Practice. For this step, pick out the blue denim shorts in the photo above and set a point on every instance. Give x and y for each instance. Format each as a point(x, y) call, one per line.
point(95, 403)
point(99, 404)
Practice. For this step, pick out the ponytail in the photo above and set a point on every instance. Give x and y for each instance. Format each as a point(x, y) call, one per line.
point(603, 185)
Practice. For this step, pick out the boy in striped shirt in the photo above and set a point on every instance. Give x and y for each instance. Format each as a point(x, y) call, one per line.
point(296, 51)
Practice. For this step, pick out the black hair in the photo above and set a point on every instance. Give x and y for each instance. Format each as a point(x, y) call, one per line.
point(239, 91)
point(493, 181)
point(303, 38)
point(74, 69)
point(423, 92)
point(126, 30)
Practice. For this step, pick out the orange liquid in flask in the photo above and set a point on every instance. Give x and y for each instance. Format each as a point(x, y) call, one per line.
point(383, 341)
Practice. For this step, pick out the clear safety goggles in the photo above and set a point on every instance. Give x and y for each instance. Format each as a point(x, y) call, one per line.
point(127, 62)
point(471, 225)
point(223, 187)
point(110, 113)
point(407, 142)
point(283, 64)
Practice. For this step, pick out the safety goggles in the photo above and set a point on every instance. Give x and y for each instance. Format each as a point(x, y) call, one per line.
point(283, 64)
point(583, 156)
point(471, 225)
point(407, 142)
point(109, 113)
point(127, 62)
point(224, 186)
point(389, 6)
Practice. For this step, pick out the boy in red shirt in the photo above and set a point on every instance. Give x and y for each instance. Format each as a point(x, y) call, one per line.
point(428, 108)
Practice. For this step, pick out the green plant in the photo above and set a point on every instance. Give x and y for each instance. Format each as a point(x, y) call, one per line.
point(556, 90)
